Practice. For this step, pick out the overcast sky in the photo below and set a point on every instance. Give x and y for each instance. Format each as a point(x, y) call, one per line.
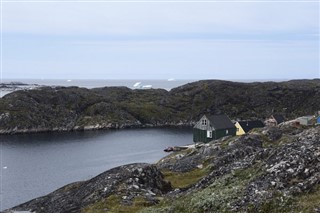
point(160, 40)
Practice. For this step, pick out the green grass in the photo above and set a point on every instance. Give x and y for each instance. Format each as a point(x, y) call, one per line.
point(217, 197)
point(185, 179)
point(309, 201)
point(112, 204)
point(285, 139)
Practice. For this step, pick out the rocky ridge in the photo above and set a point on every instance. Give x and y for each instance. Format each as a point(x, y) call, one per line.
point(128, 182)
point(273, 169)
point(73, 108)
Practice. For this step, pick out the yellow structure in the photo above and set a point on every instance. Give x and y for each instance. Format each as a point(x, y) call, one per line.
point(244, 127)
point(240, 131)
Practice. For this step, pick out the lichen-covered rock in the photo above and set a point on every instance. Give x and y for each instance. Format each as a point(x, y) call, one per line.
point(248, 173)
point(272, 133)
point(246, 176)
point(127, 181)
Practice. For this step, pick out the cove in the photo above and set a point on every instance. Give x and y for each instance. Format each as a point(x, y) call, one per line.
point(34, 165)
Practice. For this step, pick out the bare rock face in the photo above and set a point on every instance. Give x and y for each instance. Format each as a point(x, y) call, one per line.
point(128, 181)
point(273, 133)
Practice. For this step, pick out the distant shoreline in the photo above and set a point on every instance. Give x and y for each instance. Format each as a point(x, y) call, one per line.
point(67, 108)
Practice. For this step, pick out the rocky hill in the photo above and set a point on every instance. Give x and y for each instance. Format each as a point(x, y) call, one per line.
point(73, 108)
point(274, 169)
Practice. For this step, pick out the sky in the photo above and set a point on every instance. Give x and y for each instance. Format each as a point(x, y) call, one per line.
point(160, 39)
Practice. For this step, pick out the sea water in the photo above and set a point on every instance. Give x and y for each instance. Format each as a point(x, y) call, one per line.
point(91, 83)
point(34, 165)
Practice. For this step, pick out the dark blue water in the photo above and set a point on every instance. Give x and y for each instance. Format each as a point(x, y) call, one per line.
point(33, 165)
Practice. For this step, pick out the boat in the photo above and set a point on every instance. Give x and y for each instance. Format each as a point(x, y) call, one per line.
point(176, 148)
point(169, 149)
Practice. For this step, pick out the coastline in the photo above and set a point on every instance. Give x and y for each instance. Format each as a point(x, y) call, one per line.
point(239, 173)
point(46, 109)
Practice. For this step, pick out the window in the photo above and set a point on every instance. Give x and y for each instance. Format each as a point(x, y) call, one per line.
point(204, 122)
point(209, 134)
point(237, 129)
point(227, 132)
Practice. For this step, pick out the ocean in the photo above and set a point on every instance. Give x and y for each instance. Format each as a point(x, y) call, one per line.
point(91, 83)
point(166, 84)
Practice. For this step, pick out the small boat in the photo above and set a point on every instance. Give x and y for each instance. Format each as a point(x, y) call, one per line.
point(169, 149)
point(175, 148)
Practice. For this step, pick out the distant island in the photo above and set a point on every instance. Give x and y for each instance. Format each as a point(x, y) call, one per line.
point(269, 169)
point(72, 108)
point(8, 87)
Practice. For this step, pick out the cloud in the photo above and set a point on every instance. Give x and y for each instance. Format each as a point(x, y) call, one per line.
point(260, 40)
point(138, 19)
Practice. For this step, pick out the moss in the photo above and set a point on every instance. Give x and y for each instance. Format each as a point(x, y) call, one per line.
point(285, 139)
point(278, 203)
point(306, 202)
point(217, 197)
point(112, 204)
point(185, 179)
point(309, 201)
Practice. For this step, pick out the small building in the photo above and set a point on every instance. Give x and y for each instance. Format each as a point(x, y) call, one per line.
point(213, 127)
point(275, 120)
point(306, 120)
point(244, 127)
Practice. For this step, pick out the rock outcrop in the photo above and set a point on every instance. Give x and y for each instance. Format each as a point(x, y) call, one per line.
point(274, 169)
point(253, 173)
point(73, 108)
point(126, 182)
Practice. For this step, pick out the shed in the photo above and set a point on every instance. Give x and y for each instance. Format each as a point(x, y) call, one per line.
point(213, 127)
point(306, 120)
point(245, 126)
point(275, 120)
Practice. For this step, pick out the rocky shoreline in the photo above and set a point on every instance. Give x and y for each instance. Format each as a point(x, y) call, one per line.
point(274, 169)
point(76, 109)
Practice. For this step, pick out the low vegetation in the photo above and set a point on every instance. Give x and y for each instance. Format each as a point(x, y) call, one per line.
point(113, 204)
point(73, 108)
point(185, 179)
